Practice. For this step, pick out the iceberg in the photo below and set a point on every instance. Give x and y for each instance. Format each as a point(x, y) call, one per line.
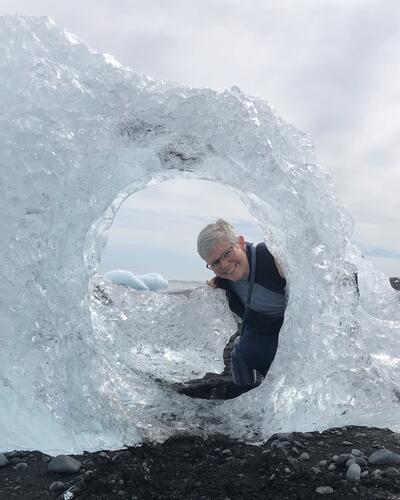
point(149, 281)
point(81, 370)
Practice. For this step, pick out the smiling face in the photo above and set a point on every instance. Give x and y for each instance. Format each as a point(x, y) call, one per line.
point(233, 266)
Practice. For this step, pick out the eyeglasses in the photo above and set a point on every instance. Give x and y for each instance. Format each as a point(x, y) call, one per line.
point(228, 252)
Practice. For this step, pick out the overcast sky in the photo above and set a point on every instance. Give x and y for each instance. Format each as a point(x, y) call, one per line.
point(331, 68)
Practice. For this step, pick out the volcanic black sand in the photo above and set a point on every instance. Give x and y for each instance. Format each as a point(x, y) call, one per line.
point(187, 467)
point(287, 466)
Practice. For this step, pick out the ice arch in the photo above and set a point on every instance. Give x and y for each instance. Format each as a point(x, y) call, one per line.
point(79, 133)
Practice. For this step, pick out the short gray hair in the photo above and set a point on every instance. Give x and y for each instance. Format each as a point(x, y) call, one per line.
point(210, 234)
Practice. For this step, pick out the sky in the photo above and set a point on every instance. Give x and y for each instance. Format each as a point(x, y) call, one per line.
point(331, 68)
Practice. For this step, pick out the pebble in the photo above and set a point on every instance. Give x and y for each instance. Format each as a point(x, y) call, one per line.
point(323, 463)
point(21, 465)
point(227, 451)
point(3, 460)
point(332, 467)
point(392, 472)
point(356, 453)
point(376, 472)
point(316, 470)
point(347, 443)
point(57, 486)
point(353, 472)
point(274, 444)
point(364, 473)
point(295, 450)
point(64, 463)
point(324, 490)
point(341, 460)
point(304, 456)
point(360, 435)
point(283, 436)
point(308, 435)
point(384, 457)
point(282, 444)
point(356, 460)
point(104, 454)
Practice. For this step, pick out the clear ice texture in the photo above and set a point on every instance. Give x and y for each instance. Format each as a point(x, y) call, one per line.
point(86, 364)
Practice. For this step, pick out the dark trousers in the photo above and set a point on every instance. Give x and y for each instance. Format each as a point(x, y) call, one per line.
point(254, 350)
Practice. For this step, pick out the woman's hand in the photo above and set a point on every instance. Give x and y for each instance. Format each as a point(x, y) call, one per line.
point(212, 282)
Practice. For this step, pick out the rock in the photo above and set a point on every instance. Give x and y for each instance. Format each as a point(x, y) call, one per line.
point(384, 457)
point(304, 456)
point(332, 467)
point(308, 435)
point(56, 486)
point(392, 472)
point(347, 443)
point(227, 452)
point(360, 435)
point(21, 465)
point(323, 463)
point(356, 460)
point(316, 470)
point(324, 490)
point(341, 460)
point(283, 444)
point(356, 453)
point(64, 464)
point(364, 473)
point(376, 473)
point(3, 460)
point(283, 436)
point(353, 472)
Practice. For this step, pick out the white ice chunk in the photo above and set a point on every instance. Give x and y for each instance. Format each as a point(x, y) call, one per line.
point(122, 277)
point(154, 281)
point(81, 358)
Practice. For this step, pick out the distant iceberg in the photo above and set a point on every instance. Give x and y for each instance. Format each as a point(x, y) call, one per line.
point(150, 281)
point(83, 371)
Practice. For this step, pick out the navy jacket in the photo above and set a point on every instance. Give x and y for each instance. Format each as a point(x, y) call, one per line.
point(267, 276)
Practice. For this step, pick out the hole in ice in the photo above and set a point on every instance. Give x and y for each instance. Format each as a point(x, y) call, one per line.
point(170, 334)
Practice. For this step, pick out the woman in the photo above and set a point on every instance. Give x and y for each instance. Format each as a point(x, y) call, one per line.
point(230, 258)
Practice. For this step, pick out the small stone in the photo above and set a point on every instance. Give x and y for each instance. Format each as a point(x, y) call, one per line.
point(304, 456)
point(282, 444)
point(103, 454)
point(307, 435)
point(287, 470)
point(323, 463)
point(364, 473)
point(64, 464)
point(324, 490)
point(341, 460)
point(332, 467)
point(3, 460)
point(376, 472)
point(321, 443)
point(316, 470)
point(353, 472)
point(360, 435)
point(274, 444)
point(356, 453)
point(56, 486)
point(392, 472)
point(227, 451)
point(347, 443)
point(356, 460)
point(295, 450)
point(384, 457)
point(21, 465)
point(283, 436)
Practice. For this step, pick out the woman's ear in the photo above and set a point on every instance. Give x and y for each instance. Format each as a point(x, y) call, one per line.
point(242, 242)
